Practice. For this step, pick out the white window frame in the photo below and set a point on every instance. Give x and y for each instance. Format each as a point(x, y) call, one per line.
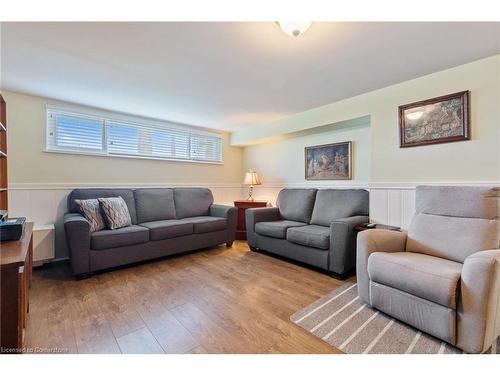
point(109, 117)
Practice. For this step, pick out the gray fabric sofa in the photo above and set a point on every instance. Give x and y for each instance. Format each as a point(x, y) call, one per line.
point(311, 226)
point(164, 222)
point(443, 275)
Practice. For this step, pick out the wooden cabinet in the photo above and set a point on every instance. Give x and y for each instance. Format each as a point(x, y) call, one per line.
point(16, 262)
point(241, 232)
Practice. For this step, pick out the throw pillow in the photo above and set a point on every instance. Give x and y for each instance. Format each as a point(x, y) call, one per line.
point(91, 211)
point(115, 212)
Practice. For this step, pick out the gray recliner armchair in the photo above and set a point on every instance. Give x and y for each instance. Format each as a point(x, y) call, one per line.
point(443, 275)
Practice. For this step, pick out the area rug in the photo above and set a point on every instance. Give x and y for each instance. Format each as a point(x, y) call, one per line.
point(342, 320)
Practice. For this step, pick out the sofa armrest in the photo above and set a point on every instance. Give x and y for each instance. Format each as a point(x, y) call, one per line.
point(371, 241)
point(220, 210)
point(77, 230)
point(342, 257)
point(256, 215)
point(479, 303)
point(230, 213)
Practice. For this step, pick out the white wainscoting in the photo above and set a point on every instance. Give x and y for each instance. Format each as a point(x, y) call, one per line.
point(390, 203)
point(392, 206)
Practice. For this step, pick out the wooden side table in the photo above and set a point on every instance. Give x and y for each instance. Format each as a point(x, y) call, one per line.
point(241, 231)
point(16, 261)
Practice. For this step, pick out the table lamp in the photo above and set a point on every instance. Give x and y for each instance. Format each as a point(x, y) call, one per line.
point(251, 178)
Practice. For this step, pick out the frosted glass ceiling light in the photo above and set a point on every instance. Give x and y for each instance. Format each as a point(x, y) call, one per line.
point(294, 28)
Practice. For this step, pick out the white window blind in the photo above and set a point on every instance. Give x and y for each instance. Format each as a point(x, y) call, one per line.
point(74, 132)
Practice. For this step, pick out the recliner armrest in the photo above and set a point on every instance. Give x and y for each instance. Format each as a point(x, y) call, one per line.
point(371, 241)
point(342, 257)
point(479, 303)
point(77, 230)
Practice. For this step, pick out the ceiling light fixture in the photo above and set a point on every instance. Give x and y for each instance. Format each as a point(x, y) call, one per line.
point(294, 28)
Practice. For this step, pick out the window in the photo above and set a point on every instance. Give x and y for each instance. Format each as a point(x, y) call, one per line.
point(205, 147)
point(97, 134)
point(75, 133)
point(122, 139)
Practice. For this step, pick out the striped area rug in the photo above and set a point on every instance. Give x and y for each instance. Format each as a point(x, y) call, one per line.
point(343, 321)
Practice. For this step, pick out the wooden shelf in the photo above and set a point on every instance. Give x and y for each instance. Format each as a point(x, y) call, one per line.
point(16, 270)
point(3, 142)
point(4, 194)
point(3, 174)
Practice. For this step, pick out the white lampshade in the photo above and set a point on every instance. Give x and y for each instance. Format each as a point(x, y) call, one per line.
point(294, 28)
point(252, 178)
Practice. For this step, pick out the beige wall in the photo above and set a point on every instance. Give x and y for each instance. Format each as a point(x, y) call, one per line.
point(283, 161)
point(377, 156)
point(477, 160)
point(29, 164)
point(42, 180)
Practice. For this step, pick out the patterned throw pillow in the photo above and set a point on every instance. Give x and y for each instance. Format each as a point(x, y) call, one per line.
point(91, 211)
point(115, 212)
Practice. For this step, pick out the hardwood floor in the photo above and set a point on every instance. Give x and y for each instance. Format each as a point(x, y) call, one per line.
point(214, 301)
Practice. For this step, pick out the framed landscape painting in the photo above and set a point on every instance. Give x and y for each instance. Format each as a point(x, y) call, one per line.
point(329, 162)
point(438, 120)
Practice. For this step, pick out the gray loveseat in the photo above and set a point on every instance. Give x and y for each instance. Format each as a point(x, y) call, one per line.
point(311, 226)
point(164, 222)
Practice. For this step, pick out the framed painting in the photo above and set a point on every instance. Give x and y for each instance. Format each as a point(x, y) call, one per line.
point(329, 162)
point(438, 120)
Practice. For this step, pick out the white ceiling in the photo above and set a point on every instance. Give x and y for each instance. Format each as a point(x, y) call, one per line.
point(228, 75)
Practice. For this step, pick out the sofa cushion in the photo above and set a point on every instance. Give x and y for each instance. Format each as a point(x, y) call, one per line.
point(296, 204)
point(154, 204)
point(126, 236)
point(310, 235)
point(205, 224)
point(164, 229)
point(190, 202)
point(276, 229)
point(332, 204)
point(91, 210)
point(126, 194)
point(431, 278)
point(115, 212)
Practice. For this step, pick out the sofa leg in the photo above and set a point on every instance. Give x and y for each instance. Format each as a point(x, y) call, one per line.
point(83, 276)
point(229, 244)
point(252, 248)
